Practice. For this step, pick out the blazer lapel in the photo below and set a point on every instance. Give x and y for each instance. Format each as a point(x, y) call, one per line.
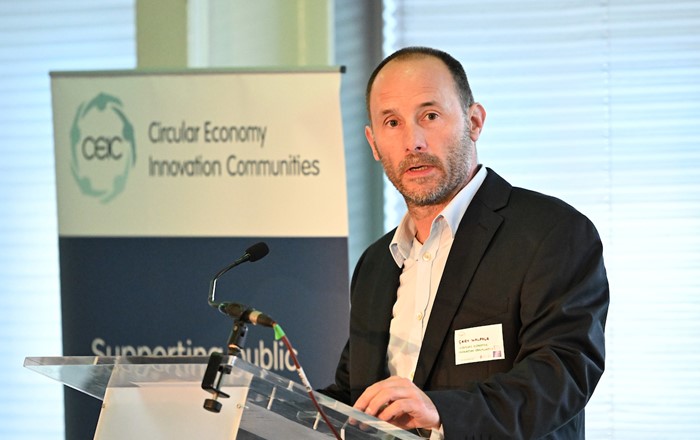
point(475, 232)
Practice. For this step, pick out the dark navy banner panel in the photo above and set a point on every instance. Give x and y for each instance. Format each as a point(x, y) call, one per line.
point(148, 296)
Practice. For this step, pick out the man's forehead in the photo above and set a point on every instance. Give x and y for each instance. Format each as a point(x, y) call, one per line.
point(411, 63)
point(425, 79)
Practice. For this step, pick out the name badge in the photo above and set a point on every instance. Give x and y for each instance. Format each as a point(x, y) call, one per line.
point(479, 344)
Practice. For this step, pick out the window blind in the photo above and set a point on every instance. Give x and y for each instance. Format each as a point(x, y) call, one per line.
point(598, 103)
point(37, 37)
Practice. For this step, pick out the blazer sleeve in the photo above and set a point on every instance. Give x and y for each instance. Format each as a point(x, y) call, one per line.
point(340, 389)
point(563, 307)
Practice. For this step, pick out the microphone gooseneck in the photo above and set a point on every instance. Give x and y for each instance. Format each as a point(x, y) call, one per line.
point(241, 313)
point(253, 253)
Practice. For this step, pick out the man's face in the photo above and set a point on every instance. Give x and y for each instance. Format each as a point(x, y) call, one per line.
point(419, 131)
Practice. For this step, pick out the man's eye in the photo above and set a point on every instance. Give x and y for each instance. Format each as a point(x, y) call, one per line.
point(392, 123)
point(431, 116)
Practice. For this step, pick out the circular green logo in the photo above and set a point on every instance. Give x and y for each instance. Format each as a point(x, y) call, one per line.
point(103, 148)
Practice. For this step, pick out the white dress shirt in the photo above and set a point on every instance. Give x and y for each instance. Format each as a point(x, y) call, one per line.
point(422, 265)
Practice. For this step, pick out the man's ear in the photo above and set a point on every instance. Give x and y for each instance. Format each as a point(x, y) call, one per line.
point(477, 118)
point(370, 139)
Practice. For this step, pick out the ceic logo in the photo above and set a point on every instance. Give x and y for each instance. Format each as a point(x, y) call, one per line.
point(103, 147)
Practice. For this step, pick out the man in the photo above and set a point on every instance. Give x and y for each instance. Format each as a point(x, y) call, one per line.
point(482, 315)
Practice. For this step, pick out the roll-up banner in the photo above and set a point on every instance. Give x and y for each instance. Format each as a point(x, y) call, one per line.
point(165, 178)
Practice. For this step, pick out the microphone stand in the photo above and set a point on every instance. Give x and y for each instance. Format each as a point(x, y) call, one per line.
point(236, 339)
point(220, 365)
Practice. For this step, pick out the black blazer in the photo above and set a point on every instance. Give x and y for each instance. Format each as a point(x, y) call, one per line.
point(521, 259)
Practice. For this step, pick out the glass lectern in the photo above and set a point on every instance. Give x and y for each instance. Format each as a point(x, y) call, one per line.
point(162, 397)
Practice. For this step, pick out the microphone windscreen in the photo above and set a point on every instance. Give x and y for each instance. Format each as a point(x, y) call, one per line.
point(257, 251)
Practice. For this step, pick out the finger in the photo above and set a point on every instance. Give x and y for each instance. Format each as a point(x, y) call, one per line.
point(398, 413)
point(383, 398)
point(370, 394)
point(377, 396)
point(364, 399)
point(413, 410)
point(377, 405)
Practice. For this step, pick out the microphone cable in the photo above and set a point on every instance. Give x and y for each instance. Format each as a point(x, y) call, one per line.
point(279, 334)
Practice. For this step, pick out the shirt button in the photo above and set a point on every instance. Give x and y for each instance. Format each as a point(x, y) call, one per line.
point(427, 256)
point(419, 316)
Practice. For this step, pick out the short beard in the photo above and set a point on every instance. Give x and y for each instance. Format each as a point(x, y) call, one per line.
point(455, 174)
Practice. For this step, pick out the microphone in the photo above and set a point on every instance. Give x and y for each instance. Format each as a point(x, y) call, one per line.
point(240, 311)
point(256, 252)
point(253, 253)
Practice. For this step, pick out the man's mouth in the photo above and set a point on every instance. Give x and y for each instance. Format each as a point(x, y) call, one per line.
point(418, 168)
point(418, 164)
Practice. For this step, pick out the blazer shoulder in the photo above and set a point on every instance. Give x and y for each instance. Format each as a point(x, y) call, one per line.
point(509, 201)
point(379, 249)
point(375, 260)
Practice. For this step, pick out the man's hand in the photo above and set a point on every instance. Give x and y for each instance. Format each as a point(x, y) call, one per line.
point(400, 402)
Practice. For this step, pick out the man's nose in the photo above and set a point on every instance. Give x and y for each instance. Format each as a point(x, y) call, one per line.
point(415, 138)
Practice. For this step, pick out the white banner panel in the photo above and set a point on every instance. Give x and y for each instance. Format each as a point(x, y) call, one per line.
point(165, 178)
point(189, 153)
